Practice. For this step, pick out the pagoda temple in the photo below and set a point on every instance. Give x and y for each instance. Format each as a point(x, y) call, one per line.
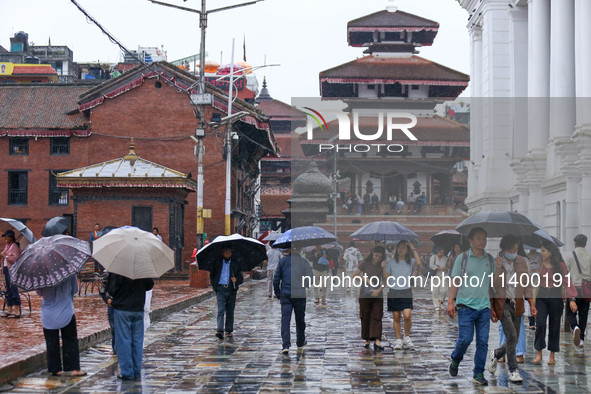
point(391, 77)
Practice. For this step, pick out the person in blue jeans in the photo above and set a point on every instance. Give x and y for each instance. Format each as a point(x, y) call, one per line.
point(472, 305)
point(225, 278)
point(289, 286)
point(127, 297)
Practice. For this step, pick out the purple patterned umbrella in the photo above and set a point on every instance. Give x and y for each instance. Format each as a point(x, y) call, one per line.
point(49, 261)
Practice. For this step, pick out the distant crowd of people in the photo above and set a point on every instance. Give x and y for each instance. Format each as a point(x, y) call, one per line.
point(370, 203)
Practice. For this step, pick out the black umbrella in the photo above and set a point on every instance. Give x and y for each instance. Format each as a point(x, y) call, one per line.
point(498, 224)
point(56, 226)
point(49, 261)
point(448, 238)
point(249, 251)
point(106, 230)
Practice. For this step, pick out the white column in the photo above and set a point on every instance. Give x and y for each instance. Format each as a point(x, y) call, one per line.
point(562, 79)
point(539, 68)
point(583, 62)
point(476, 111)
point(519, 80)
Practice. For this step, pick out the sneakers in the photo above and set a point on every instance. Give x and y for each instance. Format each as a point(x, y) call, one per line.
point(515, 376)
point(492, 362)
point(398, 344)
point(302, 345)
point(577, 336)
point(453, 368)
point(285, 351)
point(581, 343)
point(479, 379)
point(407, 342)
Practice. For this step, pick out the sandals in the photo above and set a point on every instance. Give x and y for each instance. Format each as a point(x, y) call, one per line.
point(77, 375)
point(229, 335)
point(13, 316)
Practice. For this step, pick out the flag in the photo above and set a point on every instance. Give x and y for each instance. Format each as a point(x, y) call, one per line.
point(50, 42)
point(244, 48)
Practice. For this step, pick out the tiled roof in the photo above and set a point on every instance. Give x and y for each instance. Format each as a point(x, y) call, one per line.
point(277, 108)
point(273, 204)
point(392, 19)
point(395, 68)
point(41, 106)
point(289, 145)
point(33, 70)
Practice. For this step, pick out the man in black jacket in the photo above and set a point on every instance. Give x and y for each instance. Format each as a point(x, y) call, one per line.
point(225, 278)
point(127, 297)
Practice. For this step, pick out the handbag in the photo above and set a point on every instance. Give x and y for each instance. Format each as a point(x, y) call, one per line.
point(585, 284)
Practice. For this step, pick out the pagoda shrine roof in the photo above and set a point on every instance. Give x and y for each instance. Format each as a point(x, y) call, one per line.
point(128, 171)
point(411, 70)
point(392, 21)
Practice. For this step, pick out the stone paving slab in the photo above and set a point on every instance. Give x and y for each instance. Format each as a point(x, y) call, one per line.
point(23, 343)
point(183, 356)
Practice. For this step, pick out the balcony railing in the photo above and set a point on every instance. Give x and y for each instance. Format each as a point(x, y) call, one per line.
point(17, 197)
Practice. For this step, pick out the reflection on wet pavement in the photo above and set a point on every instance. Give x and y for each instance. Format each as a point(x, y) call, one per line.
point(182, 355)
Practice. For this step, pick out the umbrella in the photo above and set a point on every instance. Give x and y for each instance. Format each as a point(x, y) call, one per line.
point(330, 245)
point(498, 224)
point(105, 230)
point(55, 226)
point(448, 238)
point(385, 231)
point(540, 236)
point(49, 261)
point(272, 237)
point(304, 236)
point(23, 235)
point(249, 251)
point(133, 253)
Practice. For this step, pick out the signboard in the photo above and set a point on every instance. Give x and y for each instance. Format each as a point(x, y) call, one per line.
point(224, 84)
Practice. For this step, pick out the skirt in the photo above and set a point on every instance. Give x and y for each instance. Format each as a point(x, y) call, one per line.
point(399, 300)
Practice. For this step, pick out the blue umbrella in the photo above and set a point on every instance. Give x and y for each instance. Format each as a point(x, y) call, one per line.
point(304, 236)
point(385, 231)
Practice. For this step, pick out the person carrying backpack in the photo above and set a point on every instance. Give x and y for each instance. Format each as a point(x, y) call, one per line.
point(472, 306)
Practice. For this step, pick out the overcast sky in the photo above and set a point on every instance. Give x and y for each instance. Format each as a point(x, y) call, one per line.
point(304, 36)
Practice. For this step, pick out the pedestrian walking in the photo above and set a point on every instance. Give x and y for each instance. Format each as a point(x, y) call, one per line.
point(535, 260)
point(352, 257)
point(320, 265)
point(549, 301)
point(110, 310)
point(397, 272)
point(371, 301)
point(128, 299)
point(273, 257)
point(57, 315)
point(472, 304)
point(9, 255)
point(225, 278)
point(438, 265)
point(508, 302)
point(292, 273)
point(578, 263)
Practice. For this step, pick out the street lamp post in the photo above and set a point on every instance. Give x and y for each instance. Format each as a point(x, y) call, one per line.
point(200, 132)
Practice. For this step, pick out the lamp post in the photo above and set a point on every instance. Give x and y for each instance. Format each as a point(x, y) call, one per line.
point(203, 100)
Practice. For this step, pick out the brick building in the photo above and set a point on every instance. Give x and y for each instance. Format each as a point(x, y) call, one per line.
point(46, 129)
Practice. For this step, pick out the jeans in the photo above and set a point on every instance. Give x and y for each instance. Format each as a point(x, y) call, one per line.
point(520, 350)
point(582, 311)
point(548, 308)
point(226, 303)
point(130, 342)
point(298, 306)
point(359, 209)
point(13, 298)
point(470, 320)
point(70, 348)
point(511, 328)
point(111, 317)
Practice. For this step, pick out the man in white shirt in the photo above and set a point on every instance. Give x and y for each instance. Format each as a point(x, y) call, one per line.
point(438, 264)
point(156, 232)
point(578, 272)
point(273, 257)
point(352, 257)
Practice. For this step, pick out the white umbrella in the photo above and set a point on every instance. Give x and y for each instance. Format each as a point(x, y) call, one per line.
point(133, 253)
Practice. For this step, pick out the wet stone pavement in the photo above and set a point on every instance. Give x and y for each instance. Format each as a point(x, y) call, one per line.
point(182, 356)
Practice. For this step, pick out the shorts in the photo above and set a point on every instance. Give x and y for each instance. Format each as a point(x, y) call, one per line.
point(399, 300)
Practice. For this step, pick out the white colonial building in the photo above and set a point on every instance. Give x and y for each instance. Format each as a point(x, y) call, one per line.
point(531, 119)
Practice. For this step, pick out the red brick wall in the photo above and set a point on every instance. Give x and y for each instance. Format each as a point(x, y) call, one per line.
point(162, 121)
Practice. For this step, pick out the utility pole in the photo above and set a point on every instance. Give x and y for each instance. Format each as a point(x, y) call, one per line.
point(202, 100)
point(227, 212)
